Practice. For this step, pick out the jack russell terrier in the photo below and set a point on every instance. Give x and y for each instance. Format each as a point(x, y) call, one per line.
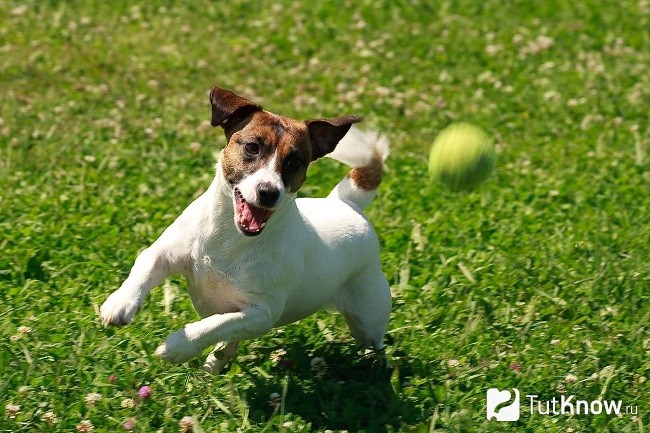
point(254, 256)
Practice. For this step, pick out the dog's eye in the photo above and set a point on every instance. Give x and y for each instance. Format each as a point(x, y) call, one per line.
point(252, 149)
point(293, 162)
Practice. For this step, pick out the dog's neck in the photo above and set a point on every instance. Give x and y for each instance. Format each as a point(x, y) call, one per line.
point(221, 195)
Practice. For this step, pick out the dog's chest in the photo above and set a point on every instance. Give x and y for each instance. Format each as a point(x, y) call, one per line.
point(215, 289)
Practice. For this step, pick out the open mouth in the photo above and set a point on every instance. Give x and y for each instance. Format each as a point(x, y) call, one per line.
point(250, 220)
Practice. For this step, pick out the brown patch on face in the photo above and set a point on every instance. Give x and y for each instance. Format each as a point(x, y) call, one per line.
point(236, 162)
point(270, 135)
point(294, 155)
point(368, 177)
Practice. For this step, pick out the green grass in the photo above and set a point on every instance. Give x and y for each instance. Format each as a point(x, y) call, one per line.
point(100, 105)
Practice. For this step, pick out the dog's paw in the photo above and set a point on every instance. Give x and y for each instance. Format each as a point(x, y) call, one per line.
point(220, 356)
point(379, 357)
point(178, 348)
point(119, 309)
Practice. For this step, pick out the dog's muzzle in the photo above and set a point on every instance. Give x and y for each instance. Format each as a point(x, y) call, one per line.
point(251, 219)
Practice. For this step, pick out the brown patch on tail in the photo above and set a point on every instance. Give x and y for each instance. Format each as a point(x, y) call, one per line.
point(368, 177)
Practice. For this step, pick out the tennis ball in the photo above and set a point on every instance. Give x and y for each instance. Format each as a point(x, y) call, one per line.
point(461, 156)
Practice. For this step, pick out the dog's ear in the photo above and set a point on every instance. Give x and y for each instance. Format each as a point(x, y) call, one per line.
point(325, 134)
point(228, 108)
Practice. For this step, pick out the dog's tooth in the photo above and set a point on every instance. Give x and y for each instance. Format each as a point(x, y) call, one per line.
point(262, 225)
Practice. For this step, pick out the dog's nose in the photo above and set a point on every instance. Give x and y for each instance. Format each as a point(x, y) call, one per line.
point(267, 194)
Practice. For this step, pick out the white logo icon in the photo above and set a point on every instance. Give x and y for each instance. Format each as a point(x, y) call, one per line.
point(496, 408)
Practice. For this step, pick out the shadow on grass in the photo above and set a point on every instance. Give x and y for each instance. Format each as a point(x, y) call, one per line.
point(353, 392)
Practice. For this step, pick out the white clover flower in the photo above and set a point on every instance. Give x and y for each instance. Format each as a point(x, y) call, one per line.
point(517, 39)
point(493, 49)
point(195, 147)
point(186, 424)
point(277, 355)
point(18, 11)
point(24, 329)
point(50, 418)
point(551, 95)
point(92, 398)
point(12, 410)
point(544, 42)
point(85, 426)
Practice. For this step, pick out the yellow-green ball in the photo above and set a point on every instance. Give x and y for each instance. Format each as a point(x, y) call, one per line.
point(462, 156)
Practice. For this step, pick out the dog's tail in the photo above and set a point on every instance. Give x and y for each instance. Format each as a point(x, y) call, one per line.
point(365, 152)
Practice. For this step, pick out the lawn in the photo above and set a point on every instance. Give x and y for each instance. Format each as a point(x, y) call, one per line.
point(538, 280)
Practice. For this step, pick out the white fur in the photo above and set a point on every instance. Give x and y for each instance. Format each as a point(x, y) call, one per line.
point(248, 185)
point(312, 253)
point(349, 193)
point(357, 149)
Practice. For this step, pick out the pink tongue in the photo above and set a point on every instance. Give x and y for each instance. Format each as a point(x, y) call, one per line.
point(251, 217)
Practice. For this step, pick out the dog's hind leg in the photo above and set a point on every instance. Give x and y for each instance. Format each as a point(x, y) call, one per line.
point(365, 302)
point(220, 356)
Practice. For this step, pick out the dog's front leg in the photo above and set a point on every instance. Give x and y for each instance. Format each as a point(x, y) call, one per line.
point(150, 269)
point(190, 341)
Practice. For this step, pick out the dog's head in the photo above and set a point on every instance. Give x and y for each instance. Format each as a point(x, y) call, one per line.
point(267, 155)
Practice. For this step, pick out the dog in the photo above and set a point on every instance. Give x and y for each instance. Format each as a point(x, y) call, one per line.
point(255, 256)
